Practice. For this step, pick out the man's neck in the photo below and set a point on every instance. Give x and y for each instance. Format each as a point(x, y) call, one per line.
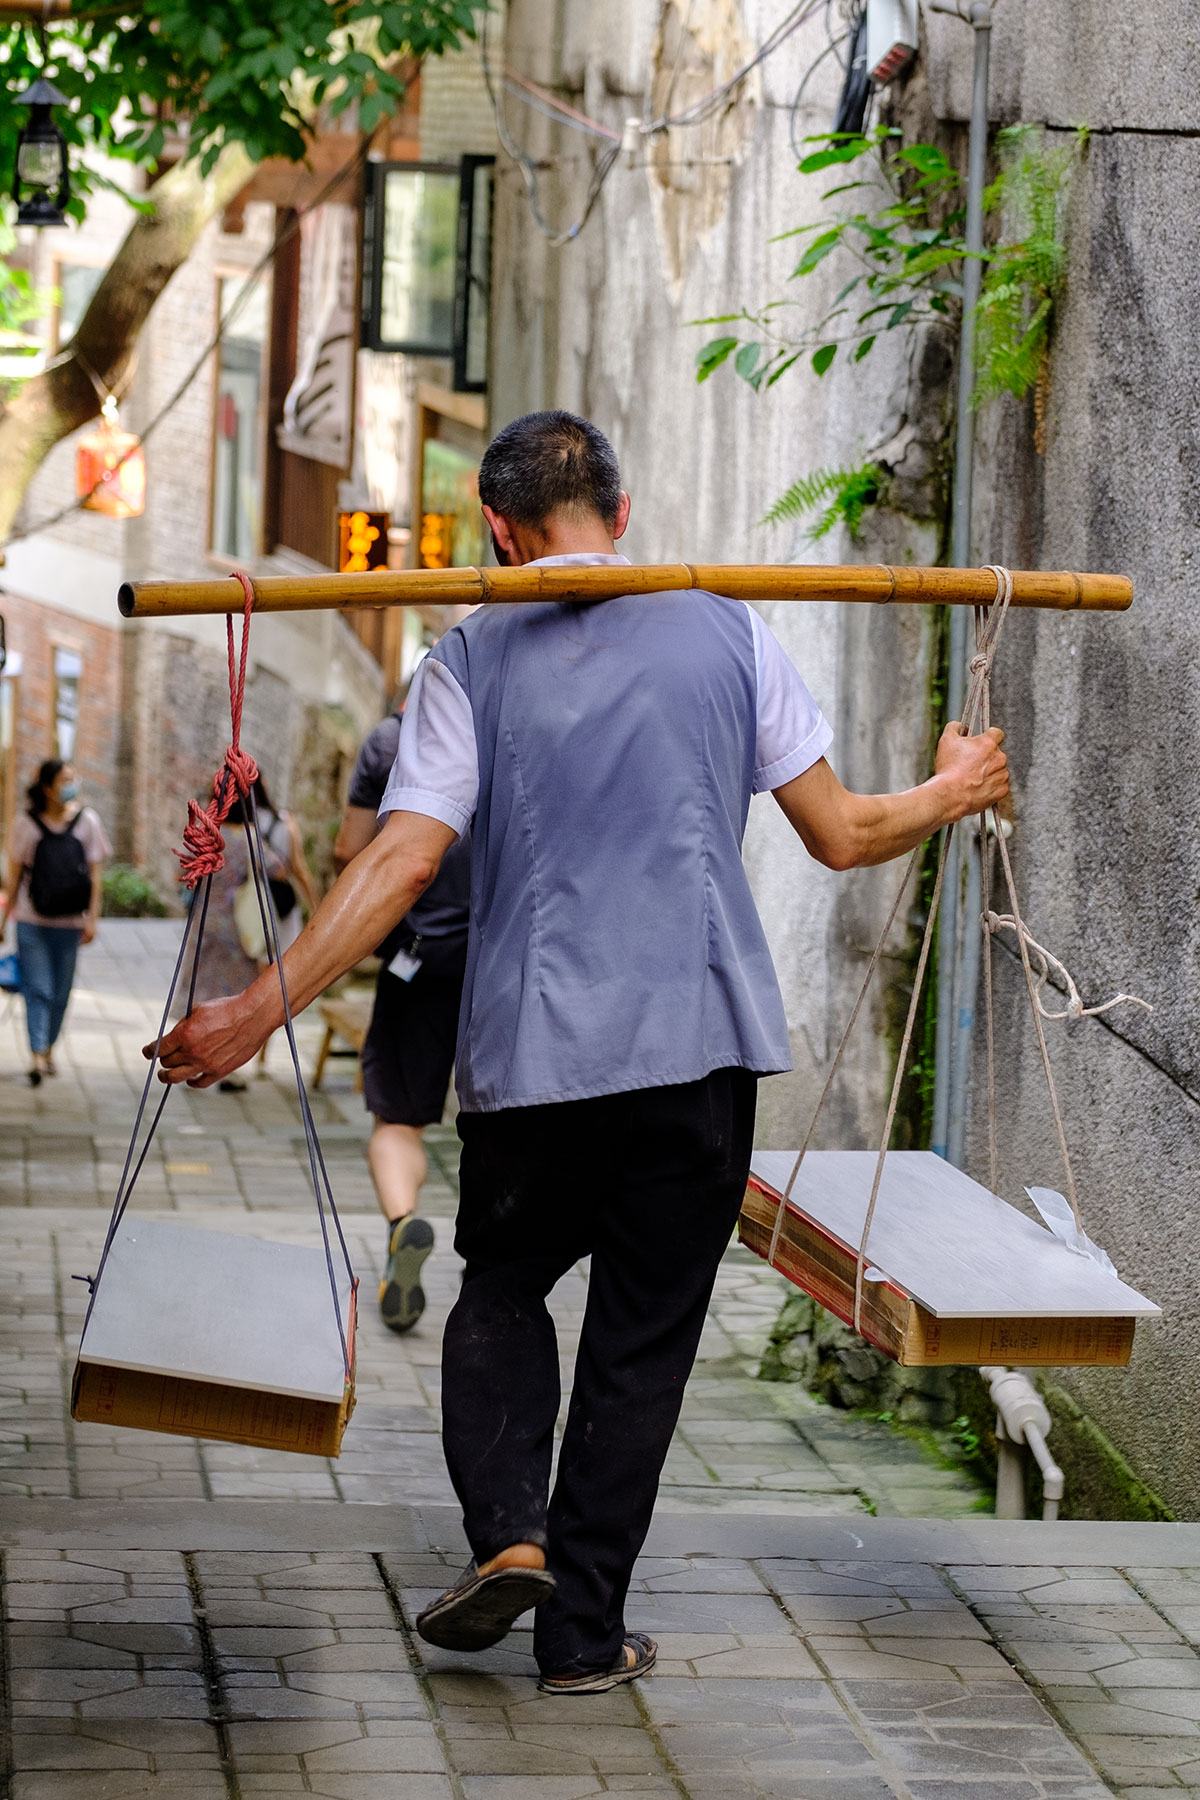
point(563, 537)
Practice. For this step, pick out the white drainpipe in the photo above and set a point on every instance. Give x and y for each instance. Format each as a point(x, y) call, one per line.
point(1021, 1419)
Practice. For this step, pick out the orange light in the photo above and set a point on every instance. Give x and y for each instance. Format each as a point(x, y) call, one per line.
point(362, 541)
point(110, 469)
point(435, 546)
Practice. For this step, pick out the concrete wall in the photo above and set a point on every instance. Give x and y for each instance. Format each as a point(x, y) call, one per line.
point(602, 325)
point(1101, 710)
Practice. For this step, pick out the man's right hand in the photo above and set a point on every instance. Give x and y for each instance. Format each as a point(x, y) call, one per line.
point(973, 771)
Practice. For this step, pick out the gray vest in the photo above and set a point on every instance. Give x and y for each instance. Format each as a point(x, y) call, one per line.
point(614, 943)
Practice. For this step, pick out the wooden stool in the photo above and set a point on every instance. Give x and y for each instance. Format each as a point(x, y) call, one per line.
point(346, 1019)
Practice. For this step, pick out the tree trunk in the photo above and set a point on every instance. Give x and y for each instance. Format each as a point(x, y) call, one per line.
point(50, 406)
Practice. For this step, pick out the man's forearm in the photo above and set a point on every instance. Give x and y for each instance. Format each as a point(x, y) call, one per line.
point(370, 897)
point(890, 825)
point(845, 830)
point(360, 909)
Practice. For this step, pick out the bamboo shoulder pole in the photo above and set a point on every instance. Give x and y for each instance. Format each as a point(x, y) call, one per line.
point(870, 584)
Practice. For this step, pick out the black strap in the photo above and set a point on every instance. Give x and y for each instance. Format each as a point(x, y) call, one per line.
point(67, 829)
point(135, 1159)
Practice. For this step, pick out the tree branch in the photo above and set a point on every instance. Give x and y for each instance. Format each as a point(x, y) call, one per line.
point(50, 406)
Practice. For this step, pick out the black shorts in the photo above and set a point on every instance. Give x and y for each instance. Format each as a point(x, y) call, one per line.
point(408, 1053)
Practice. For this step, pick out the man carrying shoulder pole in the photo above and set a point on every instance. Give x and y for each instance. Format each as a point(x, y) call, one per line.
point(619, 1007)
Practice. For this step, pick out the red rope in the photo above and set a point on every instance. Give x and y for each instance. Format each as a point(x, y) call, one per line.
point(203, 850)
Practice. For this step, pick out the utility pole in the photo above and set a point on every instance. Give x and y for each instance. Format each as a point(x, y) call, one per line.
point(958, 944)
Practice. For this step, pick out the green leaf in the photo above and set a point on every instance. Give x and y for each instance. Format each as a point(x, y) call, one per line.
point(840, 149)
point(823, 357)
point(713, 355)
point(746, 359)
point(817, 251)
point(864, 348)
point(781, 368)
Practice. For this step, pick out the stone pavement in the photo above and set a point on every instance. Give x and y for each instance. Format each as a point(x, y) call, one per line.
point(237, 1163)
point(196, 1619)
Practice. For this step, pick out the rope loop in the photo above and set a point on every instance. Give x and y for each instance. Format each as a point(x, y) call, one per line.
point(203, 852)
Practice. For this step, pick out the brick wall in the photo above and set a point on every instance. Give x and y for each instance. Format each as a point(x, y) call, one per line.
point(456, 114)
point(34, 632)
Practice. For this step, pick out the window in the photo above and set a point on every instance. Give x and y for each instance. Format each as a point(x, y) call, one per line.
point(76, 283)
point(68, 667)
point(238, 434)
point(410, 258)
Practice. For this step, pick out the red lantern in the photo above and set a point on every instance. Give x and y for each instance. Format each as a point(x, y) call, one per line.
point(110, 468)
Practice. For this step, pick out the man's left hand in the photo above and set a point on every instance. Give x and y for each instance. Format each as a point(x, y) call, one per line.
point(973, 771)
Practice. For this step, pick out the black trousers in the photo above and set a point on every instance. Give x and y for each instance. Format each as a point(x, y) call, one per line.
point(648, 1184)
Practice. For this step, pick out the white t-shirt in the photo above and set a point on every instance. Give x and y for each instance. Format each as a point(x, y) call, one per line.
point(436, 771)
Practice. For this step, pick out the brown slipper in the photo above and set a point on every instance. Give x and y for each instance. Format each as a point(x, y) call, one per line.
point(645, 1651)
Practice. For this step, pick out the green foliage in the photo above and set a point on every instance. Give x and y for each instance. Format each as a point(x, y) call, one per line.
point(224, 72)
point(19, 303)
point(901, 240)
point(128, 894)
point(842, 495)
point(1025, 271)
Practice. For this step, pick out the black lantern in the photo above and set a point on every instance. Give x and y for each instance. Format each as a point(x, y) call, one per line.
point(41, 181)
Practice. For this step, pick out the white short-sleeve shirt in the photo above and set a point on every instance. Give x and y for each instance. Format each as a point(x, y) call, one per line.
point(436, 771)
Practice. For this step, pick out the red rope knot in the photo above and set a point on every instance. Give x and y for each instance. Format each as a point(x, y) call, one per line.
point(203, 850)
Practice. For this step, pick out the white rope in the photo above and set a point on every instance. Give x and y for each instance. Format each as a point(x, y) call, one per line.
point(976, 715)
point(1045, 962)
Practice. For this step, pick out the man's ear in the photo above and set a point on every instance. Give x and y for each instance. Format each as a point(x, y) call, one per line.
point(500, 529)
point(622, 518)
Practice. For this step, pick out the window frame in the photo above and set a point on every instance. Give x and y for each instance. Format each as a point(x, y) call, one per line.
point(220, 559)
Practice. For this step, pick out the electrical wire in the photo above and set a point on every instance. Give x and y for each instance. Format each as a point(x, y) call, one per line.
point(830, 49)
point(541, 100)
point(529, 169)
point(568, 113)
point(703, 109)
point(242, 300)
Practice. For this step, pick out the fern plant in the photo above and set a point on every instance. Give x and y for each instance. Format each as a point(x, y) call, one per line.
point(1025, 271)
point(842, 495)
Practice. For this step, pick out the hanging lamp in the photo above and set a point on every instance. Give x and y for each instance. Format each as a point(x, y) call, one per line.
point(42, 176)
point(110, 467)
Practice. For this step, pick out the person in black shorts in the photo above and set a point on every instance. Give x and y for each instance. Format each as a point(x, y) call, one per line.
point(408, 1054)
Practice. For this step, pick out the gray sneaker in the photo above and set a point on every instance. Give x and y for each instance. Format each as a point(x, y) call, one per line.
point(401, 1296)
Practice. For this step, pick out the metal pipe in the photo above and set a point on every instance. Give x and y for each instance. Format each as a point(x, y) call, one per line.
point(958, 966)
point(871, 584)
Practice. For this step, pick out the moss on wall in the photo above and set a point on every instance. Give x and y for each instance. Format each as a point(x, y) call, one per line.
point(811, 1346)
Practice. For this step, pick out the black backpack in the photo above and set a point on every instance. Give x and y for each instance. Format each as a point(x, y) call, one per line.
point(60, 882)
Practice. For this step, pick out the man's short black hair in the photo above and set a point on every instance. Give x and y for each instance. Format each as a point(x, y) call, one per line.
point(550, 462)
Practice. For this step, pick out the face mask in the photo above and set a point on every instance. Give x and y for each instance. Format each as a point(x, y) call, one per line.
point(68, 791)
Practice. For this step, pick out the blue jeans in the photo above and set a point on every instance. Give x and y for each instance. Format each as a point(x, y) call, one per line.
point(47, 956)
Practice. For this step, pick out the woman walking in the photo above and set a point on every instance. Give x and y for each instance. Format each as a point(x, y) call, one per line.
point(59, 847)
